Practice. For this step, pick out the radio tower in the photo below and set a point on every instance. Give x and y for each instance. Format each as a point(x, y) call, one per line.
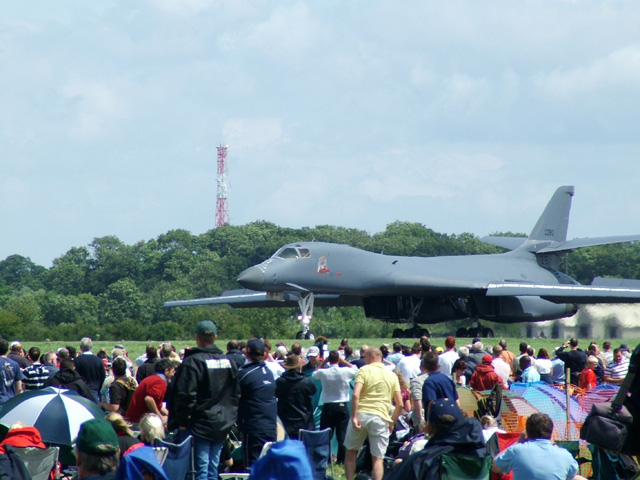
point(222, 207)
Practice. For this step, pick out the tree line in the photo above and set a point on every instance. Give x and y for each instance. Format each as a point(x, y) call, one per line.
point(112, 290)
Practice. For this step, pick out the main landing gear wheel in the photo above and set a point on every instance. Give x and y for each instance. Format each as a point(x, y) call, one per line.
point(474, 332)
point(309, 335)
point(462, 332)
point(415, 332)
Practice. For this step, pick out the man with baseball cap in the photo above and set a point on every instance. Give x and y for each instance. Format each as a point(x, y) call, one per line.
point(205, 399)
point(258, 407)
point(97, 450)
point(449, 433)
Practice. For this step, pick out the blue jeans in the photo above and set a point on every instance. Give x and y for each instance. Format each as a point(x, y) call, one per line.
point(206, 458)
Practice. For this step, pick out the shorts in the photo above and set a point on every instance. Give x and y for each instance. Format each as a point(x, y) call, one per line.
point(374, 428)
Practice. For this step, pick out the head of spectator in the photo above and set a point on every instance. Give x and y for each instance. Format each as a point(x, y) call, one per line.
point(430, 361)
point(450, 343)
point(232, 345)
point(488, 421)
point(530, 351)
point(618, 357)
point(63, 354)
point(4, 347)
point(16, 348)
point(296, 349)
point(463, 352)
point(206, 333)
point(539, 426)
point(542, 353)
point(573, 343)
point(151, 427)
point(334, 357)
point(34, 354)
point(416, 348)
point(478, 346)
point(624, 348)
point(86, 344)
point(372, 355)
point(406, 350)
point(152, 352)
point(281, 352)
point(67, 364)
point(459, 367)
point(439, 350)
point(343, 343)
point(166, 367)
point(443, 413)
point(397, 347)
point(72, 351)
point(321, 341)
point(497, 351)
point(50, 358)
point(385, 350)
point(487, 359)
point(292, 362)
point(525, 362)
point(425, 344)
point(119, 367)
point(503, 344)
point(119, 424)
point(348, 351)
point(267, 346)
point(606, 346)
point(97, 448)
point(592, 362)
point(115, 353)
point(166, 350)
point(255, 350)
point(523, 348)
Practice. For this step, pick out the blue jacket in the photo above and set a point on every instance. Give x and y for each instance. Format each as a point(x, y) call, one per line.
point(258, 407)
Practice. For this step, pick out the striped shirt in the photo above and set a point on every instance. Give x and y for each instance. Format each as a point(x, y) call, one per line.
point(34, 376)
point(617, 370)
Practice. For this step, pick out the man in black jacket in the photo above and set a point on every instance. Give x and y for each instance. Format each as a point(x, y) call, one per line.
point(90, 368)
point(67, 377)
point(295, 391)
point(574, 359)
point(449, 434)
point(258, 407)
point(205, 399)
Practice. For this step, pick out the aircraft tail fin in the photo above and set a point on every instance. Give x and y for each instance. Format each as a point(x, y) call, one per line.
point(554, 221)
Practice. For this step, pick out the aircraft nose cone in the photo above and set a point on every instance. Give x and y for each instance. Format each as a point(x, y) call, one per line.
point(251, 278)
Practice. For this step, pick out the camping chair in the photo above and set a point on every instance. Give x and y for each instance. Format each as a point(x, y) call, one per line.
point(141, 464)
point(464, 467)
point(161, 454)
point(179, 461)
point(39, 461)
point(318, 446)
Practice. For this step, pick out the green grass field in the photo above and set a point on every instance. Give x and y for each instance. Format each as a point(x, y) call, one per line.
point(137, 348)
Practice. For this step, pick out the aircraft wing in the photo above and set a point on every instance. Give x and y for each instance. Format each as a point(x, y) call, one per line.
point(510, 243)
point(567, 293)
point(571, 245)
point(244, 298)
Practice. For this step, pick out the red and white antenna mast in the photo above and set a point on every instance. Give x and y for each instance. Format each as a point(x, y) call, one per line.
point(222, 206)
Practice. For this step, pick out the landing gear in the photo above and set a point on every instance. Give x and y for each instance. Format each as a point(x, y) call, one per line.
point(306, 308)
point(476, 330)
point(414, 332)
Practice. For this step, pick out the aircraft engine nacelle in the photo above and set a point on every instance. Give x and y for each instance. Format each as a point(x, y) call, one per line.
point(519, 309)
point(399, 309)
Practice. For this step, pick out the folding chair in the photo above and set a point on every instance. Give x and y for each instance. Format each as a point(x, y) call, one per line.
point(179, 461)
point(464, 467)
point(141, 464)
point(161, 454)
point(39, 461)
point(318, 446)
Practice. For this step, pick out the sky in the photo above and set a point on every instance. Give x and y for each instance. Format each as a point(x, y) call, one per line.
point(464, 116)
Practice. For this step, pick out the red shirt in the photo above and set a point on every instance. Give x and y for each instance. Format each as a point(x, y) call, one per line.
point(587, 379)
point(153, 386)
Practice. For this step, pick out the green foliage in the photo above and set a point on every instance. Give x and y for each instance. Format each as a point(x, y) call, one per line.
point(115, 291)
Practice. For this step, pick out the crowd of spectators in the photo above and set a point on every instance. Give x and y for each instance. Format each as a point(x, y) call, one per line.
point(365, 394)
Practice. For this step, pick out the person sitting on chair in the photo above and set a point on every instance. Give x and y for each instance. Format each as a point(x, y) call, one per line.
point(97, 450)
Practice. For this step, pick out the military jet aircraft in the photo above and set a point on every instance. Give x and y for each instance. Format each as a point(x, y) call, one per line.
point(524, 284)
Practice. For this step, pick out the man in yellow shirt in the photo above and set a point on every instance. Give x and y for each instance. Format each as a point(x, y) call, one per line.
point(375, 388)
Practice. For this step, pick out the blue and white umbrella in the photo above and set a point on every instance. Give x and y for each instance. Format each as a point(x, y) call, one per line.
point(56, 413)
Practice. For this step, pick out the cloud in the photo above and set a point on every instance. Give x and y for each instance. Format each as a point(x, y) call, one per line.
point(253, 133)
point(618, 70)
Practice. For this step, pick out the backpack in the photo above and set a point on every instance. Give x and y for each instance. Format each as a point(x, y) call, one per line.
point(129, 389)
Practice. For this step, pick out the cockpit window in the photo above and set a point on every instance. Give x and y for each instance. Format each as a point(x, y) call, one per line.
point(290, 252)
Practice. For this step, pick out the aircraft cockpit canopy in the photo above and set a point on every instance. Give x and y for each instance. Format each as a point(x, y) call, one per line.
point(292, 252)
